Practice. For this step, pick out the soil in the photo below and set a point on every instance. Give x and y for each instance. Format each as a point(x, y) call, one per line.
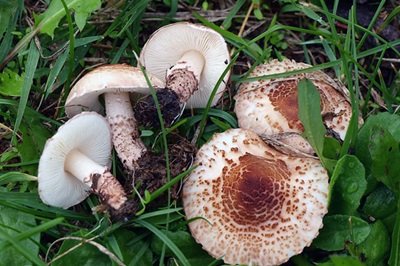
point(151, 172)
point(146, 112)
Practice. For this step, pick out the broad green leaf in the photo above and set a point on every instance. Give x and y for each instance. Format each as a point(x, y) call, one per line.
point(13, 222)
point(347, 186)
point(49, 20)
point(380, 203)
point(377, 244)
point(338, 229)
point(331, 148)
point(390, 122)
point(337, 260)
point(385, 155)
point(310, 116)
point(185, 242)
point(11, 83)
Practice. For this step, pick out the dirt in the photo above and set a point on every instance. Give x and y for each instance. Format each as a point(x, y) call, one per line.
point(151, 172)
point(146, 111)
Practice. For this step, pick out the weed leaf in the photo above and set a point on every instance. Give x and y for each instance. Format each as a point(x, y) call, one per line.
point(377, 244)
point(49, 20)
point(347, 186)
point(11, 83)
point(310, 116)
point(13, 222)
point(339, 229)
point(380, 203)
point(385, 155)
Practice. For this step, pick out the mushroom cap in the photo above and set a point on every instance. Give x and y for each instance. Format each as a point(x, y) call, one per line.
point(270, 106)
point(84, 96)
point(260, 206)
point(88, 132)
point(167, 45)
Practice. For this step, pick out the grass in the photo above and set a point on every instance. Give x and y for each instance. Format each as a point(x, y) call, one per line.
point(50, 54)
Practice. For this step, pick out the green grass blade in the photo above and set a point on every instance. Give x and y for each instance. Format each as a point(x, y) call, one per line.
point(15, 177)
point(371, 23)
point(171, 245)
point(226, 24)
point(71, 37)
point(31, 64)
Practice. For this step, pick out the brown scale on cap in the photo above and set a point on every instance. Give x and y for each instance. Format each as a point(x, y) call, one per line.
point(260, 206)
point(254, 189)
point(284, 99)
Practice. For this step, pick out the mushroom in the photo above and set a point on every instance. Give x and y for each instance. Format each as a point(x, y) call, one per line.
point(115, 82)
point(270, 107)
point(75, 161)
point(190, 59)
point(256, 205)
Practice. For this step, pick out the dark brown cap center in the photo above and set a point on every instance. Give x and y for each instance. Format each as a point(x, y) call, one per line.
point(254, 190)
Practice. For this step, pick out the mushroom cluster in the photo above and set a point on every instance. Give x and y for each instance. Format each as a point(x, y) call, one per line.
point(200, 56)
point(261, 205)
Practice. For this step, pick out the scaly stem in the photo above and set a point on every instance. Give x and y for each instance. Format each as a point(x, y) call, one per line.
point(125, 134)
point(96, 176)
point(184, 77)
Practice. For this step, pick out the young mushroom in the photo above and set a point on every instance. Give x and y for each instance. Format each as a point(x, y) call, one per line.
point(75, 161)
point(270, 107)
point(190, 59)
point(257, 205)
point(115, 83)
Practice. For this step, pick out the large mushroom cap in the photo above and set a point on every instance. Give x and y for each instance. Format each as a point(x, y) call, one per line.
point(84, 96)
point(87, 132)
point(260, 207)
point(167, 45)
point(270, 106)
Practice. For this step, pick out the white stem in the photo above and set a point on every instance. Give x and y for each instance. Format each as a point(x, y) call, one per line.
point(98, 177)
point(82, 167)
point(124, 129)
point(192, 61)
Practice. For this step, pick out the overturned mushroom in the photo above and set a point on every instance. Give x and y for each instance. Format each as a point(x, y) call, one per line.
point(260, 207)
point(270, 107)
point(75, 161)
point(190, 58)
point(115, 82)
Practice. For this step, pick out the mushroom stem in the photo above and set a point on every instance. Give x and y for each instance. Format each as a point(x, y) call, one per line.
point(125, 134)
point(184, 77)
point(96, 176)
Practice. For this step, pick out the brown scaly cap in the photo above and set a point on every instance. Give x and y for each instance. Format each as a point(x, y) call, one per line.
point(270, 106)
point(260, 207)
